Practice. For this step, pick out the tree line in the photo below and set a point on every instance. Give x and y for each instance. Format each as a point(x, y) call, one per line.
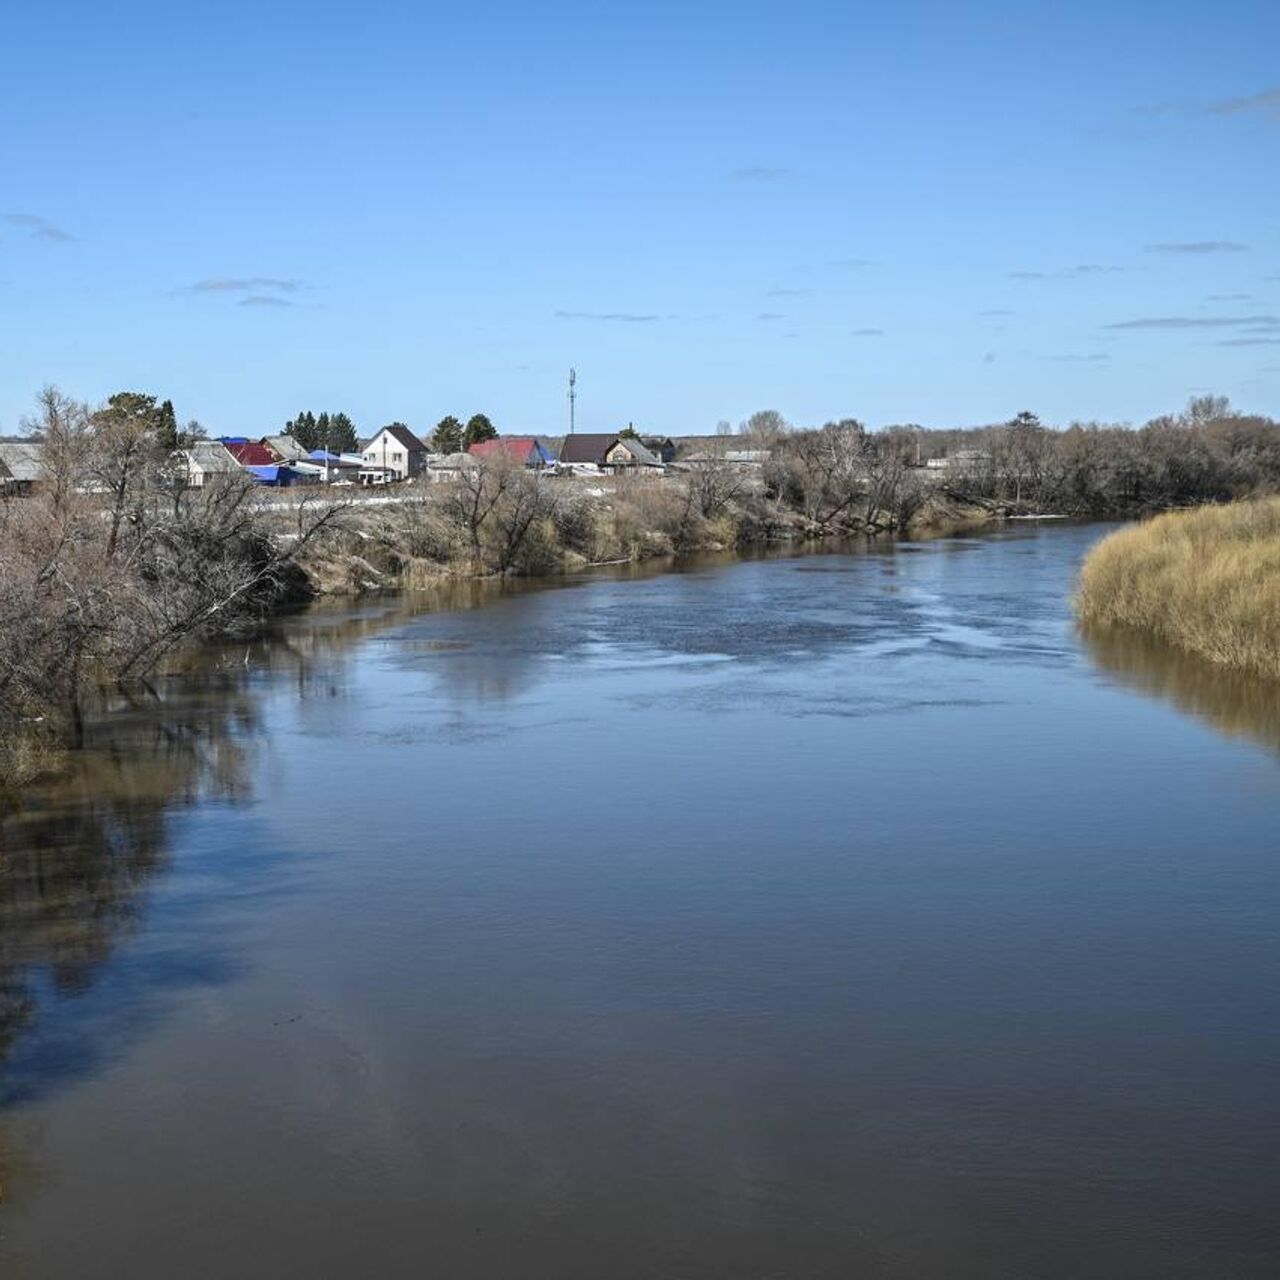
point(337, 433)
point(1209, 452)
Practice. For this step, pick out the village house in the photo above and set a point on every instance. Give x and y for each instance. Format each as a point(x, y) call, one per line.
point(20, 466)
point(395, 453)
point(629, 452)
point(607, 451)
point(449, 466)
point(662, 447)
point(205, 461)
point(525, 451)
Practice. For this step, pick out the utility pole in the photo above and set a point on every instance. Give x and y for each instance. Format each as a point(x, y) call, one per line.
point(573, 396)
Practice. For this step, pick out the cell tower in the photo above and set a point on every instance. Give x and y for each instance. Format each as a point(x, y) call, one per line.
point(573, 396)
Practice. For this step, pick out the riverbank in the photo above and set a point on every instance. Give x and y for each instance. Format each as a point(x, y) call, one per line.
point(1206, 581)
point(424, 539)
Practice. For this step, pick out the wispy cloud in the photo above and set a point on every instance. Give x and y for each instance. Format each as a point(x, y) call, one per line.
point(771, 315)
point(40, 228)
point(264, 300)
point(1067, 273)
point(757, 173)
point(1197, 322)
point(786, 293)
point(1198, 246)
point(850, 264)
point(622, 317)
point(997, 311)
point(1095, 358)
point(989, 358)
point(868, 333)
point(1249, 342)
point(1266, 103)
point(1230, 297)
point(242, 284)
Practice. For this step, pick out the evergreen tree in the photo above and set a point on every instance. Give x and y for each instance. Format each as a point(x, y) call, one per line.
point(478, 428)
point(447, 437)
point(342, 435)
point(167, 427)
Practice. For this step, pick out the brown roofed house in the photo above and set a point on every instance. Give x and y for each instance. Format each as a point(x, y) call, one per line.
point(587, 448)
point(395, 451)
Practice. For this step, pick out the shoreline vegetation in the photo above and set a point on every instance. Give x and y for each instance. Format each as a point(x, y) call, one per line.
point(1205, 581)
point(112, 561)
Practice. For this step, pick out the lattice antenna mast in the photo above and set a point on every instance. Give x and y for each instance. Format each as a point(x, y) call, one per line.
point(573, 396)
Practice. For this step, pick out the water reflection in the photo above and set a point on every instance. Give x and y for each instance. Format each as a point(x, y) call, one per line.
point(1233, 702)
point(78, 853)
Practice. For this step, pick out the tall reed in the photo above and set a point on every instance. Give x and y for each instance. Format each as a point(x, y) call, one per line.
point(1206, 580)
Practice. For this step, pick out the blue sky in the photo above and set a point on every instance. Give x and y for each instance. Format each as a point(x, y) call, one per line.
point(929, 212)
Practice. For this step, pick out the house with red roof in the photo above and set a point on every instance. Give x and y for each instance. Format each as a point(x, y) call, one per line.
point(248, 454)
point(524, 451)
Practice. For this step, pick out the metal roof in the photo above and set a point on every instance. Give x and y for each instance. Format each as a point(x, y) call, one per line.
point(21, 460)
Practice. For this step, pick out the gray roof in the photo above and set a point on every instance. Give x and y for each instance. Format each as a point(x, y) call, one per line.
point(636, 448)
point(451, 461)
point(209, 455)
point(21, 459)
point(287, 447)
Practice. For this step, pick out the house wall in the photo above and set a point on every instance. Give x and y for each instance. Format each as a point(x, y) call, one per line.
point(393, 455)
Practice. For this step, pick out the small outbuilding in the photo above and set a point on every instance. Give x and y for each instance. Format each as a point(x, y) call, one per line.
point(21, 465)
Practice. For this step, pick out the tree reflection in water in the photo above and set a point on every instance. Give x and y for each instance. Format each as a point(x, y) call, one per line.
point(78, 853)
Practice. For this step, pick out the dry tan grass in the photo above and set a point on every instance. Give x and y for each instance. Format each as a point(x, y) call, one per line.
point(1207, 581)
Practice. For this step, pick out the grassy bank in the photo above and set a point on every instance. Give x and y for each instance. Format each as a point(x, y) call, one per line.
point(1207, 581)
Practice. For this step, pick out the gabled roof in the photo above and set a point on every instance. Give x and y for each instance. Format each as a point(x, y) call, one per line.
point(401, 435)
point(588, 446)
point(210, 455)
point(637, 450)
point(20, 460)
point(286, 447)
point(252, 455)
point(451, 461)
point(522, 449)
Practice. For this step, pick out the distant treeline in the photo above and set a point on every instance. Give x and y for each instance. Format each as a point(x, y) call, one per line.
point(1206, 453)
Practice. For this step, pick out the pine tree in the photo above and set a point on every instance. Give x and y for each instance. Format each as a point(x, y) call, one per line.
point(342, 435)
point(166, 427)
point(478, 428)
point(447, 437)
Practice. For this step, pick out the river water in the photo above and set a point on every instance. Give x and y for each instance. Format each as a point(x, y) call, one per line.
point(823, 916)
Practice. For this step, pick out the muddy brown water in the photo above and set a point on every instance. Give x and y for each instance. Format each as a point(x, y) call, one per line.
point(823, 916)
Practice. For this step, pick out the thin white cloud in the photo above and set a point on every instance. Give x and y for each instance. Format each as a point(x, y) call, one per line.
point(40, 228)
point(243, 284)
point(1197, 322)
point(1266, 103)
point(1198, 246)
point(623, 317)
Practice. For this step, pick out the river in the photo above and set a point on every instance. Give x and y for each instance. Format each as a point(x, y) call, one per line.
point(817, 916)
